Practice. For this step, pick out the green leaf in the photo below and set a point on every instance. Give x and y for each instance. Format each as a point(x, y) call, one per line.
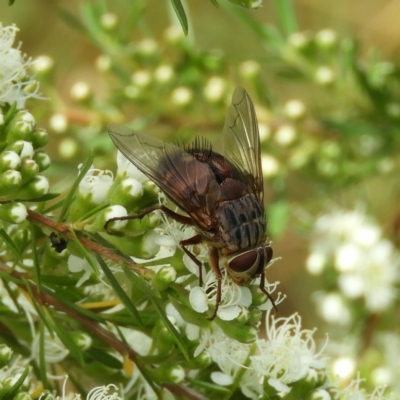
point(180, 12)
point(54, 207)
point(10, 243)
point(10, 113)
point(209, 386)
point(120, 292)
point(11, 2)
point(84, 252)
point(215, 3)
point(286, 16)
point(71, 20)
point(10, 393)
point(46, 197)
point(104, 358)
point(36, 265)
point(67, 202)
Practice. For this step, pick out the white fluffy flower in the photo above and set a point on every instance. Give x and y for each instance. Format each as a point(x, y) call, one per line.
point(288, 353)
point(96, 183)
point(367, 263)
point(15, 83)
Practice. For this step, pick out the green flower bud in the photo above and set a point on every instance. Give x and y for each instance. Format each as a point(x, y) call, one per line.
point(42, 159)
point(147, 48)
point(250, 69)
point(326, 39)
point(170, 374)
point(149, 197)
point(12, 380)
point(244, 316)
point(82, 340)
point(22, 148)
point(13, 213)
point(5, 355)
point(255, 315)
point(318, 394)
point(164, 278)
point(36, 187)
point(10, 181)
point(105, 215)
point(241, 333)
point(9, 160)
point(182, 97)
point(29, 168)
point(39, 138)
point(22, 396)
point(333, 392)
point(20, 126)
point(252, 4)
point(258, 297)
point(126, 192)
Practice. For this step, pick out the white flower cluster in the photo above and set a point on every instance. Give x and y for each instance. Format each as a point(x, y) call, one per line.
point(15, 83)
point(367, 264)
point(287, 355)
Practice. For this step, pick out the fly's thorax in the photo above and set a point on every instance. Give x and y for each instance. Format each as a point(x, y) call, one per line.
point(242, 223)
point(246, 265)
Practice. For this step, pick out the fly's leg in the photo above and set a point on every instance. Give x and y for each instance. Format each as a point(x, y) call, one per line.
point(177, 217)
point(187, 242)
point(262, 287)
point(214, 261)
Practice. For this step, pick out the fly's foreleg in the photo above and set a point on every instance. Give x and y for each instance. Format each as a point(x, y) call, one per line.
point(187, 242)
point(214, 262)
point(262, 287)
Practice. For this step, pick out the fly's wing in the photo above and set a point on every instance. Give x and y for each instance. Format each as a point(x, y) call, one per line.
point(185, 180)
point(242, 142)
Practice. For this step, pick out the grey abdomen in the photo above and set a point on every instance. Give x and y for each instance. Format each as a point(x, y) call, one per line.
point(242, 223)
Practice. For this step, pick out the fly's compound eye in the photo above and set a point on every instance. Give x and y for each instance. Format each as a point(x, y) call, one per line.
point(244, 262)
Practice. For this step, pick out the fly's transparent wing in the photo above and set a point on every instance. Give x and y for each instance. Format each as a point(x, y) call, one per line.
point(186, 181)
point(242, 142)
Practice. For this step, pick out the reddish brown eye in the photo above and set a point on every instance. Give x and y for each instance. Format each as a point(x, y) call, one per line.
point(244, 262)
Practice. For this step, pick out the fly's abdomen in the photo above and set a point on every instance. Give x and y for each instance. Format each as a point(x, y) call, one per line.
point(242, 223)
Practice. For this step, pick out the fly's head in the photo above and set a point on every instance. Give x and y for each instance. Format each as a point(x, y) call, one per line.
point(247, 265)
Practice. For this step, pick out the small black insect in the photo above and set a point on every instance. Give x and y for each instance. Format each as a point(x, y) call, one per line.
point(222, 195)
point(58, 243)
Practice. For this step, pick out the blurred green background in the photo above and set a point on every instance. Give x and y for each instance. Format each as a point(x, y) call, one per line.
point(374, 24)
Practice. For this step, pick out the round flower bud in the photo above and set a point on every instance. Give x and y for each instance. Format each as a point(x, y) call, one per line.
point(126, 192)
point(22, 396)
point(39, 138)
point(164, 73)
point(258, 296)
point(244, 316)
point(59, 123)
point(29, 168)
point(10, 181)
point(299, 40)
point(103, 63)
point(164, 278)
point(6, 354)
point(36, 187)
point(9, 160)
point(42, 159)
point(294, 109)
point(249, 69)
point(324, 76)
point(81, 92)
point(170, 374)
point(147, 47)
point(326, 39)
point(111, 212)
point(43, 65)
point(270, 165)
point(174, 34)
point(318, 394)
point(82, 340)
point(21, 126)
point(215, 89)
point(255, 315)
point(109, 21)
point(68, 148)
point(182, 96)
point(285, 135)
point(13, 213)
point(141, 78)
